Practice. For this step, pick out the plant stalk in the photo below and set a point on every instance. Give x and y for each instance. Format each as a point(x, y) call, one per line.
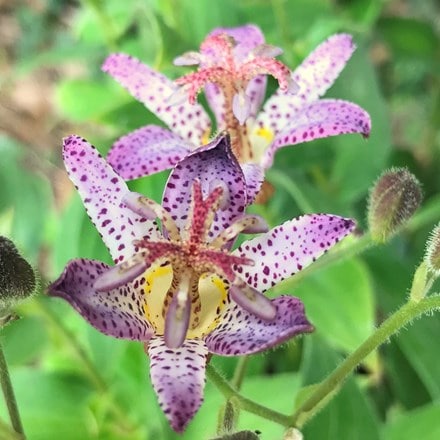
point(8, 393)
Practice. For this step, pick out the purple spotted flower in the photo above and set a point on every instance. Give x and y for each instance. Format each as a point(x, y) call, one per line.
point(180, 289)
point(233, 67)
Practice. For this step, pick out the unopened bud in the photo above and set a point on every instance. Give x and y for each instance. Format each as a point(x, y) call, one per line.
point(241, 435)
point(293, 434)
point(393, 200)
point(228, 417)
point(17, 278)
point(432, 255)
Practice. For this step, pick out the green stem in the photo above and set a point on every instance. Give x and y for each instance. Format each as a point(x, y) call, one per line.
point(329, 386)
point(240, 371)
point(246, 404)
point(9, 395)
point(6, 432)
point(394, 323)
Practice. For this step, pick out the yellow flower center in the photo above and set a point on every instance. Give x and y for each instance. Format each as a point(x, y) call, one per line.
point(213, 296)
point(260, 138)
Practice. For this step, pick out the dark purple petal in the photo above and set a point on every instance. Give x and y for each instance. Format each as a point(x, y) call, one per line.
point(117, 313)
point(190, 122)
point(213, 162)
point(147, 150)
point(101, 191)
point(241, 332)
point(178, 378)
point(290, 247)
point(323, 118)
point(314, 76)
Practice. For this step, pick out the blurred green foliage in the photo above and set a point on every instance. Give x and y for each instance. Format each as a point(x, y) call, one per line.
point(393, 74)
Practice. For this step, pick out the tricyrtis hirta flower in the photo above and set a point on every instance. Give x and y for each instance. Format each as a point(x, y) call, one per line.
point(233, 68)
point(180, 289)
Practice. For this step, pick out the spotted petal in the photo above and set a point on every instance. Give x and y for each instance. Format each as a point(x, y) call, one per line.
point(118, 313)
point(101, 191)
point(214, 162)
point(147, 150)
point(190, 122)
point(314, 76)
point(178, 378)
point(247, 37)
point(320, 119)
point(241, 332)
point(290, 247)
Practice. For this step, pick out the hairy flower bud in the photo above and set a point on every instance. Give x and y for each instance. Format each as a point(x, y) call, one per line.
point(241, 435)
point(17, 278)
point(432, 255)
point(293, 434)
point(393, 199)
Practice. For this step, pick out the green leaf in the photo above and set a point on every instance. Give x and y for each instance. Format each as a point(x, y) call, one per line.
point(339, 303)
point(26, 193)
point(77, 237)
point(23, 340)
point(420, 423)
point(409, 37)
point(52, 406)
point(359, 161)
point(422, 352)
point(406, 386)
point(84, 99)
point(416, 340)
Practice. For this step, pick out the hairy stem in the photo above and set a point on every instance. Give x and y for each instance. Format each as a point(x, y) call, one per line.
point(409, 311)
point(390, 326)
point(246, 404)
point(8, 393)
point(240, 371)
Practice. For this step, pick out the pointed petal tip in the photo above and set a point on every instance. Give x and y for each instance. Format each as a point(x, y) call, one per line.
point(114, 58)
point(178, 378)
point(244, 333)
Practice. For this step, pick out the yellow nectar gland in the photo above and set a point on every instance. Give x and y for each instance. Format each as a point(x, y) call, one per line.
point(260, 138)
point(213, 294)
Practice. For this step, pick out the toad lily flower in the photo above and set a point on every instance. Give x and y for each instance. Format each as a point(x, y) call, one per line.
point(181, 291)
point(233, 64)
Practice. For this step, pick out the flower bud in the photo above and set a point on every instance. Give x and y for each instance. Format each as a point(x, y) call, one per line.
point(17, 278)
point(432, 255)
point(293, 434)
point(393, 199)
point(241, 435)
point(228, 417)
